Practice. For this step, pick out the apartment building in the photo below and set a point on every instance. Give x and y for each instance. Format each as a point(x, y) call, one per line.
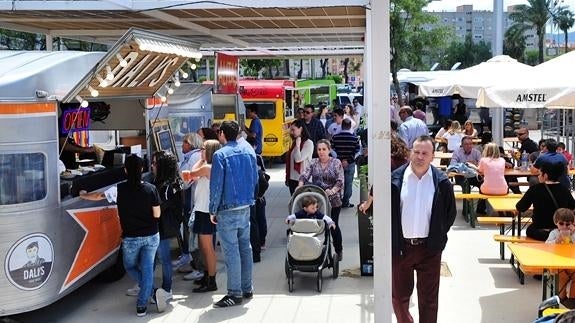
point(479, 23)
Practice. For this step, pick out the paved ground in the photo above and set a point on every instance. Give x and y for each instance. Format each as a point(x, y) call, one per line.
point(481, 288)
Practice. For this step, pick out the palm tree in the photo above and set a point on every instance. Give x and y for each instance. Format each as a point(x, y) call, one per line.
point(514, 41)
point(535, 14)
point(564, 19)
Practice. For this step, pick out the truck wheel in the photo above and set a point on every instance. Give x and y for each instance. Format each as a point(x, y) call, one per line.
point(115, 272)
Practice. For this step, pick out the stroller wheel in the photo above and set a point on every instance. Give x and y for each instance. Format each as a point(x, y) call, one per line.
point(290, 280)
point(335, 267)
point(319, 281)
point(287, 268)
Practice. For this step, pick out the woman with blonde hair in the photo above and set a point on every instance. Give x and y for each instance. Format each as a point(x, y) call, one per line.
point(202, 224)
point(492, 167)
point(453, 136)
point(469, 130)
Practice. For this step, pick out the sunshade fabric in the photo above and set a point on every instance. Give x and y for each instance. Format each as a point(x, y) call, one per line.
point(550, 84)
point(467, 82)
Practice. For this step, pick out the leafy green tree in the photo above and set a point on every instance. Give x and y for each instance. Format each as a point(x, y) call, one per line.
point(413, 32)
point(564, 19)
point(531, 57)
point(468, 53)
point(514, 41)
point(535, 14)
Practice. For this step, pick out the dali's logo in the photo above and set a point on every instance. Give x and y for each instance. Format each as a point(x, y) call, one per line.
point(29, 261)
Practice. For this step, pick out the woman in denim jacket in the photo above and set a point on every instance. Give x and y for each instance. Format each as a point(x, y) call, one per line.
point(327, 173)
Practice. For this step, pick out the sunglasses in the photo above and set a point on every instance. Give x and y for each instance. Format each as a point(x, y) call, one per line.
point(308, 112)
point(564, 223)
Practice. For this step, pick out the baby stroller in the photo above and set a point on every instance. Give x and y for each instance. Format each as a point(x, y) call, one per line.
point(309, 248)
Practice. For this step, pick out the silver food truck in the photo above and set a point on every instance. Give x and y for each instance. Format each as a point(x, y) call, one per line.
point(53, 242)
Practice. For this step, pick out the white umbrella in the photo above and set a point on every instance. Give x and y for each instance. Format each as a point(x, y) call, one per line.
point(467, 82)
point(550, 84)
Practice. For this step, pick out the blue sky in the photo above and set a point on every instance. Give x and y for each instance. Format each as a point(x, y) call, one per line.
point(449, 5)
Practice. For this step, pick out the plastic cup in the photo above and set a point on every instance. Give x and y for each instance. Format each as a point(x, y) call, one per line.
point(187, 175)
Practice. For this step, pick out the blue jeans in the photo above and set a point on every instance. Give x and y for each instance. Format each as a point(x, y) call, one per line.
point(348, 173)
point(165, 260)
point(139, 253)
point(234, 230)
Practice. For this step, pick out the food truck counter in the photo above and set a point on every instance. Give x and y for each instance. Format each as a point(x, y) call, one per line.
point(70, 188)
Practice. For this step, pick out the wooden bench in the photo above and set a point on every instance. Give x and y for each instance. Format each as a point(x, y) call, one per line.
point(469, 207)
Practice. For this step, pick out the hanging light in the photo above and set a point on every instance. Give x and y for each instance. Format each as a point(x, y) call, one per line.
point(83, 103)
point(176, 81)
point(169, 90)
point(93, 92)
point(184, 74)
point(163, 98)
point(109, 74)
point(192, 65)
point(103, 82)
point(122, 61)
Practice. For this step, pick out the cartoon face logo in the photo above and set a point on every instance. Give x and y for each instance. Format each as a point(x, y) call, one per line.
point(28, 264)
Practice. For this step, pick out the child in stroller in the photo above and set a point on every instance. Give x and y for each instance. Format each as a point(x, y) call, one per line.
point(310, 211)
point(309, 247)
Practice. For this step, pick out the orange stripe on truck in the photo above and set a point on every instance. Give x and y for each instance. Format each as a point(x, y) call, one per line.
point(27, 108)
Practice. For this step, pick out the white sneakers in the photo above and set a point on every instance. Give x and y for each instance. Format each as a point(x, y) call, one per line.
point(134, 291)
point(161, 297)
point(194, 275)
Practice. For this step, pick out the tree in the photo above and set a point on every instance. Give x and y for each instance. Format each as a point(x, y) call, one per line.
point(564, 19)
point(300, 71)
point(413, 32)
point(535, 14)
point(467, 53)
point(514, 41)
point(345, 63)
point(323, 64)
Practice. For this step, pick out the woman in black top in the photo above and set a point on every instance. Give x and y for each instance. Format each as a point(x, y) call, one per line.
point(138, 210)
point(546, 197)
point(460, 112)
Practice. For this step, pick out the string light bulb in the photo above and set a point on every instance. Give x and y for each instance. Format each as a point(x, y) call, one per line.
point(169, 90)
point(83, 103)
point(109, 74)
point(103, 82)
point(184, 74)
point(122, 61)
point(93, 92)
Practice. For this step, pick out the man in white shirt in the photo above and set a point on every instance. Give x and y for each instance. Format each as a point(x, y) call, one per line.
point(422, 212)
point(335, 127)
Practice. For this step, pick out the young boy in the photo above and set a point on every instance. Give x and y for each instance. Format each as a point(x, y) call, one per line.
point(564, 234)
point(310, 211)
point(561, 150)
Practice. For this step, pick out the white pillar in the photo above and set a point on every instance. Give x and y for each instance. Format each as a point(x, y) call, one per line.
point(207, 68)
point(49, 43)
point(377, 82)
point(497, 113)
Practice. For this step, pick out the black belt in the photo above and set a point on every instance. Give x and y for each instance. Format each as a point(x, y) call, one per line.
point(415, 241)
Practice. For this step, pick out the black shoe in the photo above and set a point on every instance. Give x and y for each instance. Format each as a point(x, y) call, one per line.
point(348, 205)
point(228, 301)
point(248, 295)
point(141, 311)
point(209, 286)
point(256, 258)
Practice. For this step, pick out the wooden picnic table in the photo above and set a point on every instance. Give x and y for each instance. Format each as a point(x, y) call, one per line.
point(507, 205)
point(511, 141)
point(442, 155)
point(443, 140)
point(545, 257)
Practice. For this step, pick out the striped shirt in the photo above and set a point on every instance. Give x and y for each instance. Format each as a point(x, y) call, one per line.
point(346, 145)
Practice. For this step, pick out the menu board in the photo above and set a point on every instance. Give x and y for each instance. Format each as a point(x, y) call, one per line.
point(164, 139)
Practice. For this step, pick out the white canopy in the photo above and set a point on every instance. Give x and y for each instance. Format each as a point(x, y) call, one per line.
point(550, 84)
point(467, 82)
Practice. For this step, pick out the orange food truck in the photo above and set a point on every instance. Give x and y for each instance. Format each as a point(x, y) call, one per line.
point(53, 242)
point(275, 102)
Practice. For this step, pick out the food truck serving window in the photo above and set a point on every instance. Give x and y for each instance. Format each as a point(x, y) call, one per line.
point(266, 109)
point(22, 178)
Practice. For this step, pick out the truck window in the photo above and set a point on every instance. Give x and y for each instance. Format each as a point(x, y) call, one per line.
point(266, 109)
point(22, 178)
point(320, 94)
